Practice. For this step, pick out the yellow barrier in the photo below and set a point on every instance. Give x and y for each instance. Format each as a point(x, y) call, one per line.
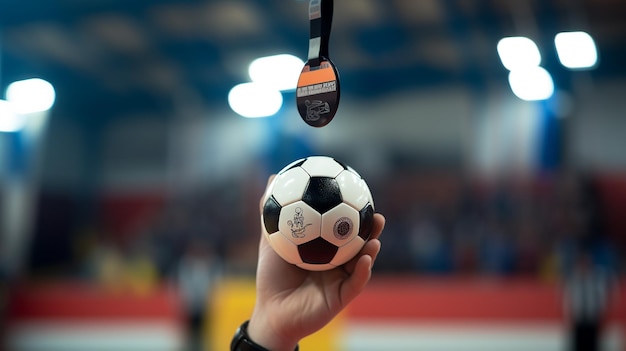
point(233, 303)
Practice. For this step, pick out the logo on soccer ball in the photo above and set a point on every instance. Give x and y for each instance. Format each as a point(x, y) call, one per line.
point(342, 228)
point(297, 225)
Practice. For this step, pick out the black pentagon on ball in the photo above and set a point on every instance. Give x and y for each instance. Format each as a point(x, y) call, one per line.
point(322, 194)
point(271, 214)
point(367, 221)
point(317, 251)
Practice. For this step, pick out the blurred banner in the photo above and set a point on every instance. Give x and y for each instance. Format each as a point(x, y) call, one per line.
point(466, 314)
point(394, 312)
point(74, 316)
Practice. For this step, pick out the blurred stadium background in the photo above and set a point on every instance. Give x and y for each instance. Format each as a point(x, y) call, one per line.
point(129, 209)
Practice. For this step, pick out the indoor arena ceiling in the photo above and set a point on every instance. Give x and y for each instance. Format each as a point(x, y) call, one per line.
point(108, 58)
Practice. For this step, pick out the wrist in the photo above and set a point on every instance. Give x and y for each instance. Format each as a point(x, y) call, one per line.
point(262, 332)
point(242, 341)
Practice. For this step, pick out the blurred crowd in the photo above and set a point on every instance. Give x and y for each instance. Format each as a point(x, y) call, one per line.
point(438, 223)
point(445, 224)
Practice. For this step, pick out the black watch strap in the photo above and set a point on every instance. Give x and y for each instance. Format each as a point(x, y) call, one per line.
point(242, 342)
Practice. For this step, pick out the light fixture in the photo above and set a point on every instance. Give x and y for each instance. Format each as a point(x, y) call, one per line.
point(576, 50)
point(9, 120)
point(518, 52)
point(31, 95)
point(279, 71)
point(253, 100)
point(532, 83)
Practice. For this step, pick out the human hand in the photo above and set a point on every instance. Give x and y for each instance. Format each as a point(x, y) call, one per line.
point(292, 303)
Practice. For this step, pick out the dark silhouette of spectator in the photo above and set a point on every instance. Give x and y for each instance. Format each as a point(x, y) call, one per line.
point(199, 271)
point(587, 291)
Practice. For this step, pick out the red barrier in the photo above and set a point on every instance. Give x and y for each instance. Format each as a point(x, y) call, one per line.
point(488, 300)
point(76, 301)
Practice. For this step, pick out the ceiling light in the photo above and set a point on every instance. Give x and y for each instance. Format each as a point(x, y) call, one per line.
point(9, 120)
point(279, 71)
point(518, 52)
point(255, 100)
point(531, 84)
point(31, 95)
point(576, 50)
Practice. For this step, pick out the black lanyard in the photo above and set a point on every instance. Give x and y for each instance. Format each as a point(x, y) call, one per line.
point(321, 20)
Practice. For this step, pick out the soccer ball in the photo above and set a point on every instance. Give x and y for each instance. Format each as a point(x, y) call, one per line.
point(317, 213)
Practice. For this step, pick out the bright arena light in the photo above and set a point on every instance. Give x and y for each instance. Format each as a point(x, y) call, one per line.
point(279, 71)
point(576, 50)
point(518, 52)
point(9, 120)
point(531, 84)
point(31, 95)
point(254, 100)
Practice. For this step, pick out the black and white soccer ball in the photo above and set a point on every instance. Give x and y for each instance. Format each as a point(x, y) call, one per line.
point(317, 213)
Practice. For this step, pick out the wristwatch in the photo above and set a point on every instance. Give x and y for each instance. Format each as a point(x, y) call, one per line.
point(242, 342)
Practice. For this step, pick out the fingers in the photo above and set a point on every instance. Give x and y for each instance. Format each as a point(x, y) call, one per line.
point(356, 282)
point(264, 242)
point(379, 224)
point(360, 269)
point(371, 248)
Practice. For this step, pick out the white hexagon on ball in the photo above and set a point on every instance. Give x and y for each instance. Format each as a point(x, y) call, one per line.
point(340, 224)
point(285, 248)
point(354, 190)
point(299, 222)
point(289, 186)
point(322, 166)
point(353, 171)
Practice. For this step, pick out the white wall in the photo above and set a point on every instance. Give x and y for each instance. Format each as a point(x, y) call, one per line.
point(598, 127)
